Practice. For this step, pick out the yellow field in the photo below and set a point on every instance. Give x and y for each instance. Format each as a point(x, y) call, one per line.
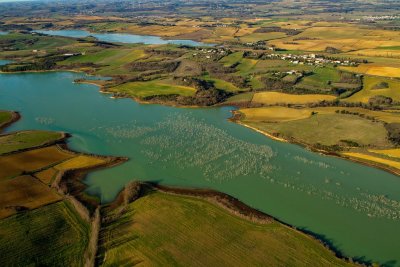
point(345, 38)
point(47, 175)
point(13, 165)
point(370, 90)
point(24, 192)
point(373, 69)
point(377, 53)
point(388, 117)
point(274, 114)
point(394, 153)
point(271, 98)
point(79, 162)
point(390, 163)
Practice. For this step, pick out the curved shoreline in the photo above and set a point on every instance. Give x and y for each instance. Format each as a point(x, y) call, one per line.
point(15, 116)
point(311, 148)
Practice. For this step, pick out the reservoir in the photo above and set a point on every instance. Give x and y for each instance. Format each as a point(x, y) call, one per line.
point(354, 207)
point(122, 37)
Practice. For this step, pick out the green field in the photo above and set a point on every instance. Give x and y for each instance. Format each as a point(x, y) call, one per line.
point(223, 85)
point(5, 117)
point(319, 79)
point(113, 61)
point(168, 230)
point(245, 97)
point(53, 235)
point(29, 42)
point(26, 139)
point(329, 129)
point(152, 88)
point(231, 59)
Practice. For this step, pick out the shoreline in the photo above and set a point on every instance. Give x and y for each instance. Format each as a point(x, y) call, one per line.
point(15, 116)
point(311, 148)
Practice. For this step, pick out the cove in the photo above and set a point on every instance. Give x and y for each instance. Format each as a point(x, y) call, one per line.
point(354, 207)
point(122, 37)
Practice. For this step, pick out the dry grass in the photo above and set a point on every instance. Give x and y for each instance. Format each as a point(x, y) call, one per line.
point(344, 37)
point(362, 156)
point(374, 69)
point(271, 98)
point(393, 153)
point(274, 114)
point(24, 192)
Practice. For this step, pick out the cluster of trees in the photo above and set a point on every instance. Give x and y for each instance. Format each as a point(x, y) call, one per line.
point(393, 130)
point(277, 29)
point(46, 63)
point(160, 66)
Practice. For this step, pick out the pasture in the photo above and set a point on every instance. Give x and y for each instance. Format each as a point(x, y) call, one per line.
point(327, 129)
point(163, 229)
point(152, 88)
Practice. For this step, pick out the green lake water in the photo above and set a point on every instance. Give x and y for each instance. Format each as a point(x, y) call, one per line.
point(122, 37)
point(356, 208)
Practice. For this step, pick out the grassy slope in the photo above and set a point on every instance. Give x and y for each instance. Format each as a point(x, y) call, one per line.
point(53, 235)
point(5, 117)
point(26, 139)
point(144, 89)
point(163, 230)
point(329, 129)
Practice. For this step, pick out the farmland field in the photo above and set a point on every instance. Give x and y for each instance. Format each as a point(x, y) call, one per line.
point(15, 164)
point(163, 229)
point(26, 237)
point(274, 114)
point(24, 192)
point(271, 98)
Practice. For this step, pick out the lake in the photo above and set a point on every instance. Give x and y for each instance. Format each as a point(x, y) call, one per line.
point(122, 37)
point(355, 207)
